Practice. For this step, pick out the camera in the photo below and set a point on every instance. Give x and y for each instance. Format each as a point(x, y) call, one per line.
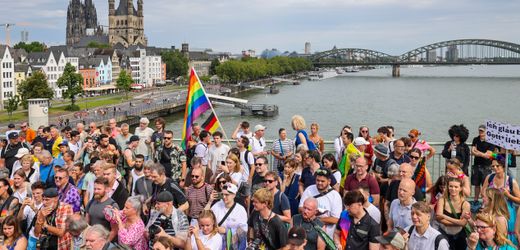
point(153, 231)
point(254, 245)
point(43, 242)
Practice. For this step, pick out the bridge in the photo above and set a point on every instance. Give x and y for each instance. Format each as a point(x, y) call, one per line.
point(453, 52)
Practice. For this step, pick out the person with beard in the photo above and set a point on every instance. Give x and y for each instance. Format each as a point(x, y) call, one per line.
point(50, 221)
point(172, 157)
point(117, 190)
point(106, 146)
point(136, 172)
point(176, 232)
point(95, 208)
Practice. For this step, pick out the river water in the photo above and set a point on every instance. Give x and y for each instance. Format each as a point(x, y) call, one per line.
point(430, 99)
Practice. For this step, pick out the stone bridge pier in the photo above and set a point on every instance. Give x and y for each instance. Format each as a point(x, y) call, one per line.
point(396, 70)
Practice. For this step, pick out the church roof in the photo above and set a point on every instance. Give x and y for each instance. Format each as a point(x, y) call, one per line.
point(100, 39)
point(122, 9)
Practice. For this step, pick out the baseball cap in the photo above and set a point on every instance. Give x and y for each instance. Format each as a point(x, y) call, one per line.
point(482, 127)
point(231, 188)
point(11, 125)
point(393, 238)
point(360, 141)
point(259, 127)
point(165, 196)
point(296, 236)
point(50, 193)
point(13, 135)
point(64, 143)
point(21, 152)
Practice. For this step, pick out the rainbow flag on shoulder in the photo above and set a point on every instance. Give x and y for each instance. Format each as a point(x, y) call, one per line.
point(197, 103)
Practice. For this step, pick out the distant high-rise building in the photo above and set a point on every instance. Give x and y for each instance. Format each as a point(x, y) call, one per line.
point(307, 48)
point(24, 36)
point(431, 56)
point(452, 55)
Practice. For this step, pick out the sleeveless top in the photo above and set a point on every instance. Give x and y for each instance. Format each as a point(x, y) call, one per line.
point(11, 247)
point(452, 230)
point(310, 144)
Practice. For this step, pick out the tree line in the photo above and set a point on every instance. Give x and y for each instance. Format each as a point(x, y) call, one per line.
point(249, 69)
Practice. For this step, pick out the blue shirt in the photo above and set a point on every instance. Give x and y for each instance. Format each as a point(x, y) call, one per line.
point(47, 172)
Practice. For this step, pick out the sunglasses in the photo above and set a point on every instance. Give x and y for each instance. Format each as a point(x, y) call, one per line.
point(222, 182)
point(364, 131)
point(167, 138)
point(411, 136)
point(23, 126)
point(195, 176)
point(268, 181)
point(59, 178)
point(259, 164)
point(322, 172)
point(414, 157)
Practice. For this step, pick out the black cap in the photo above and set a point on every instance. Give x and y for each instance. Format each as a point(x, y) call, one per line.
point(11, 125)
point(13, 135)
point(296, 236)
point(133, 138)
point(50, 193)
point(165, 196)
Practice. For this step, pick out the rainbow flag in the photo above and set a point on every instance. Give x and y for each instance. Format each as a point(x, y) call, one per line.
point(196, 104)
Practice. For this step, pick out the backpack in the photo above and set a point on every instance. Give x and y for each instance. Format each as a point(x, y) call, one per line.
point(437, 239)
point(190, 153)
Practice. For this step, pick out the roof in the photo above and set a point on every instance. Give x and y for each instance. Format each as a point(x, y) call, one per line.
point(18, 54)
point(89, 62)
point(56, 50)
point(38, 58)
point(2, 50)
point(122, 9)
point(21, 67)
point(85, 40)
point(198, 56)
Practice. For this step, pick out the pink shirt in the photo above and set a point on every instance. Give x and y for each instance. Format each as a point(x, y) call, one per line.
point(132, 236)
point(421, 145)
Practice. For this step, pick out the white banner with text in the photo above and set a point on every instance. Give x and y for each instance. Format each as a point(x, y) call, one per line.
point(502, 134)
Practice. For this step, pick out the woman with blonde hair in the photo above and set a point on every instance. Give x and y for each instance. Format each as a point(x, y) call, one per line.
point(449, 213)
point(488, 235)
point(315, 138)
point(494, 203)
point(298, 124)
point(205, 236)
point(233, 169)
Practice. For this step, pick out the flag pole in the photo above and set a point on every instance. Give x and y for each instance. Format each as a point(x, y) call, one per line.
point(211, 106)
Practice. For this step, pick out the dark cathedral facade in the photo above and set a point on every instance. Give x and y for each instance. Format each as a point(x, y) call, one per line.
point(80, 17)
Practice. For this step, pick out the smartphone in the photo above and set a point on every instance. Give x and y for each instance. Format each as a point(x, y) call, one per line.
point(223, 163)
point(401, 230)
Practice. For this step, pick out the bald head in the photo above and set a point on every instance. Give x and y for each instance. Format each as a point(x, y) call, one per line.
point(405, 171)
point(310, 208)
point(406, 190)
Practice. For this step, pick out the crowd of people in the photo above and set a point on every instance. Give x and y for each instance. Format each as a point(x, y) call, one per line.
point(91, 187)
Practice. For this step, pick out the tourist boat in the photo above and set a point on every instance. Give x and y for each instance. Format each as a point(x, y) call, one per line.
point(327, 73)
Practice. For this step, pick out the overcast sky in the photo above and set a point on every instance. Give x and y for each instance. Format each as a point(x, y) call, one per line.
point(391, 26)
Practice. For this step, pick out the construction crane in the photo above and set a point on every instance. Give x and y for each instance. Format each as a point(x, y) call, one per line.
point(7, 27)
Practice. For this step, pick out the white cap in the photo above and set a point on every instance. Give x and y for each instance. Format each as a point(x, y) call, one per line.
point(21, 152)
point(231, 188)
point(259, 127)
point(360, 141)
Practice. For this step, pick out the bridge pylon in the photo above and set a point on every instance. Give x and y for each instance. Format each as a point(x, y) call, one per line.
point(396, 70)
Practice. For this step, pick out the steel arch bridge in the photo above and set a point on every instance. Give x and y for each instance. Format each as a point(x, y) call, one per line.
point(461, 51)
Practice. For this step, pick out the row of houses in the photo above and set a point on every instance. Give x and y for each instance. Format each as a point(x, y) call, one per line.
point(100, 68)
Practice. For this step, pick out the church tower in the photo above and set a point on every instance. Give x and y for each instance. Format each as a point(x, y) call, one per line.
point(126, 24)
point(76, 25)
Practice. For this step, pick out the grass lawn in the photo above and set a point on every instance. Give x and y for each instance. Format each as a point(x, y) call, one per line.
point(16, 117)
point(89, 104)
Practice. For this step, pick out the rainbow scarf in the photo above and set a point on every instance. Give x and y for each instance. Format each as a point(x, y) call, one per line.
point(344, 224)
point(419, 175)
point(196, 104)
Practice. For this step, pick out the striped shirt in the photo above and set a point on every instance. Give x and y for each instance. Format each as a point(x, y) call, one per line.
point(287, 147)
point(198, 198)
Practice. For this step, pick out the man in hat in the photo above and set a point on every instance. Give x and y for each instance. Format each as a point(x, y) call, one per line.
point(17, 164)
point(297, 239)
point(129, 155)
point(11, 128)
point(392, 240)
point(176, 232)
point(236, 218)
point(258, 141)
point(329, 200)
point(9, 152)
point(481, 163)
point(51, 221)
point(382, 162)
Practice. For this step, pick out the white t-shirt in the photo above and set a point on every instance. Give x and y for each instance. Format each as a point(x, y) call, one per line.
point(29, 214)
point(202, 151)
point(330, 205)
point(211, 242)
point(374, 212)
point(74, 147)
point(236, 219)
point(257, 145)
point(217, 154)
point(142, 147)
point(239, 177)
point(248, 135)
point(246, 164)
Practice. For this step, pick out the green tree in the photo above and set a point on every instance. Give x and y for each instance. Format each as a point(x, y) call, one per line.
point(35, 86)
point(71, 83)
point(12, 105)
point(176, 64)
point(124, 82)
point(213, 67)
point(31, 47)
